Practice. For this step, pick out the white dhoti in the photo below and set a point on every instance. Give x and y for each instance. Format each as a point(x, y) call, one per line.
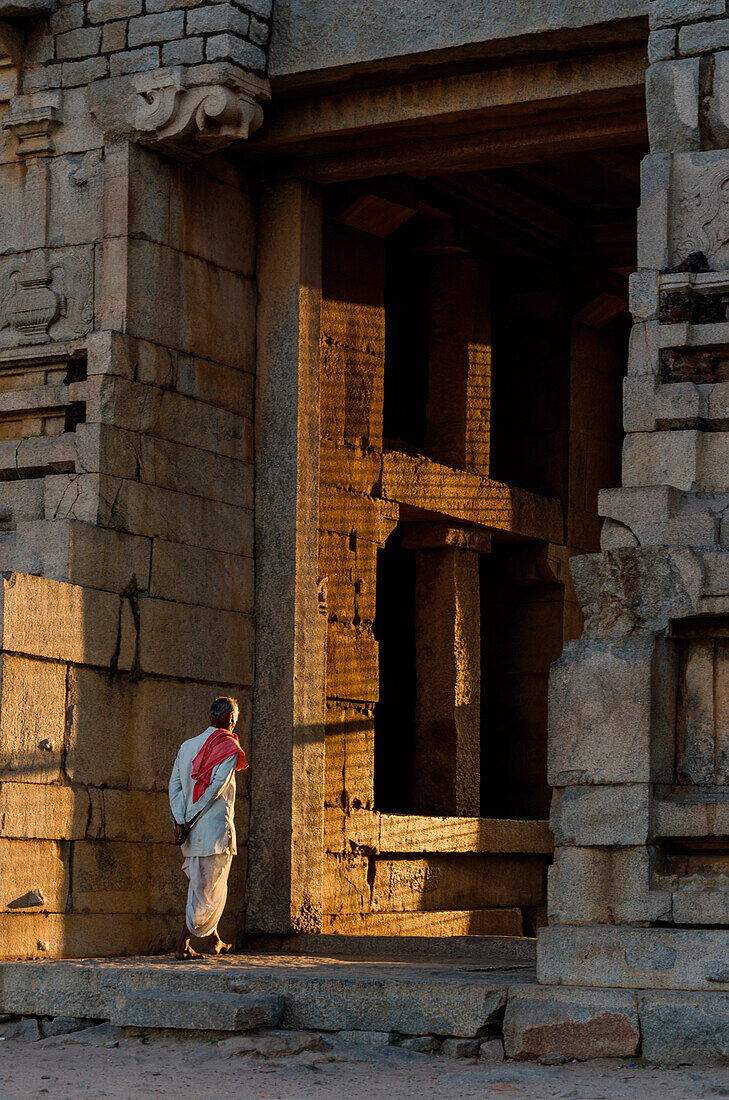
point(207, 892)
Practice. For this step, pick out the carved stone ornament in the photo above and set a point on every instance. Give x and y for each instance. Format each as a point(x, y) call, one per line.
point(45, 296)
point(186, 112)
point(701, 214)
point(32, 119)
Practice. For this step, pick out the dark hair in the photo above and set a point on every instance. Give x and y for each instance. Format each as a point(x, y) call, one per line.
point(222, 708)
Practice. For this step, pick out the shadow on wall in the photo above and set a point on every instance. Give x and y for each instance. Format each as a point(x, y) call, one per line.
point(87, 864)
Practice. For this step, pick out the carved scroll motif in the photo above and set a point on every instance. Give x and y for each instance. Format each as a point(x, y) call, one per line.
point(702, 217)
point(197, 118)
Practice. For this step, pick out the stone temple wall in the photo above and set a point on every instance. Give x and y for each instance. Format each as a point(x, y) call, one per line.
point(639, 717)
point(127, 347)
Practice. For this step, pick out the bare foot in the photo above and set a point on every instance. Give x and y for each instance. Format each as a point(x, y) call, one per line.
point(187, 952)
point(219, 947)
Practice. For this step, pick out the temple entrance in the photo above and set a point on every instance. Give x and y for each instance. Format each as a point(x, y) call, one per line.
point(474, 340)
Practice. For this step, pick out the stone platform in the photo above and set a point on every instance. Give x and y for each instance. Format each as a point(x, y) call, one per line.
point(489, 992)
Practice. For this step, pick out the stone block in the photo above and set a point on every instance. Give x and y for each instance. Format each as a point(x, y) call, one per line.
point(460, 1048)
point(103, 11)
point(160, 199)
point(218, 17)
point(93, 557)
point(42, 811)
point(601, 715)
point(430, 922)
point(159, 27)
point(352, 663)
point(142, 816)
point(673, 105)
point(368, 1038)
point(273, 1044)
point(662, 45)
point(34, 874)
point(58, 621)
point(633, 958)
point(226, 47)
point(577, 1023)
point(457, 882)
point(588, 816)
point(32, 934)
point(83, 42)
point(114, 36)
point(134, 61)
point(198, 643)
point(187, 51)
point(421, 1044)
point(203, 1011)
point(684, 1027)
point(117, 877)
point(169, 296)
point(704, 37)
point(653, 215)
point(161, 414)
point(26, 1030)
point(491, 1051)
point(603, 886)
point(665, 12)
point(155, 716)
point(192, 575)
point(32, 719)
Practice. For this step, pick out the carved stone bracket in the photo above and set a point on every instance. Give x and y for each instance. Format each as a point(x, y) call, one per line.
point(32, 119)
point(187, 112)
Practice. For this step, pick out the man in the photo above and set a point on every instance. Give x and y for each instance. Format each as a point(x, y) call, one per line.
point(202, 801)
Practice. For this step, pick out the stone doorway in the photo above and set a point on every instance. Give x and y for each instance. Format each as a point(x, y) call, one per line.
point(474, 336)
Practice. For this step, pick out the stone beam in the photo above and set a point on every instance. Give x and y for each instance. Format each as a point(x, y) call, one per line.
point(466, 497)
point(583, 128)
point(452, 99)
point(287, 783)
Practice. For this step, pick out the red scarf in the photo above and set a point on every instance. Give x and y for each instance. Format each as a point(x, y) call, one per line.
point(219, 746)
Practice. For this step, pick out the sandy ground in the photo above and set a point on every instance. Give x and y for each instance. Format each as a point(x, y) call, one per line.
point(179, 1068)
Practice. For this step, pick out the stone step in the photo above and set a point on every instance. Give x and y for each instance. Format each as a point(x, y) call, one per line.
point(460, 998)
point(498, 951)
point(197, 1011)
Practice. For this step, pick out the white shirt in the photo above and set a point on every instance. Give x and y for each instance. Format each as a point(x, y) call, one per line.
point(214, 832)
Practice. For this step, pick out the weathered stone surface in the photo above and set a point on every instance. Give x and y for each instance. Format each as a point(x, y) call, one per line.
point(633, 958)
point(32, 719)
point(421, 1044)
point(602, 714)
point(42, 811)
point(460, 1048)
point(491, 1051)
point(673, 105)
point(34, 875)
point(604, 885)
point(64, 1025)
point(203, 1011)
point(368, 1038)
point(27, 1030)
point(615, 815)
point(307, 38)
point(684, 1027)
point(273, 1044)
point(584, 1023)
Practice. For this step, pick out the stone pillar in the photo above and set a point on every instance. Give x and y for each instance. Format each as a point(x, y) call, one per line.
point(637, 721)
point(287, 827)
point(447, 766)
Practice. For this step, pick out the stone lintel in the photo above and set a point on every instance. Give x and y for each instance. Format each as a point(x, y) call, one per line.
point(438, 535)
point(187, 112)
point(27, 9)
